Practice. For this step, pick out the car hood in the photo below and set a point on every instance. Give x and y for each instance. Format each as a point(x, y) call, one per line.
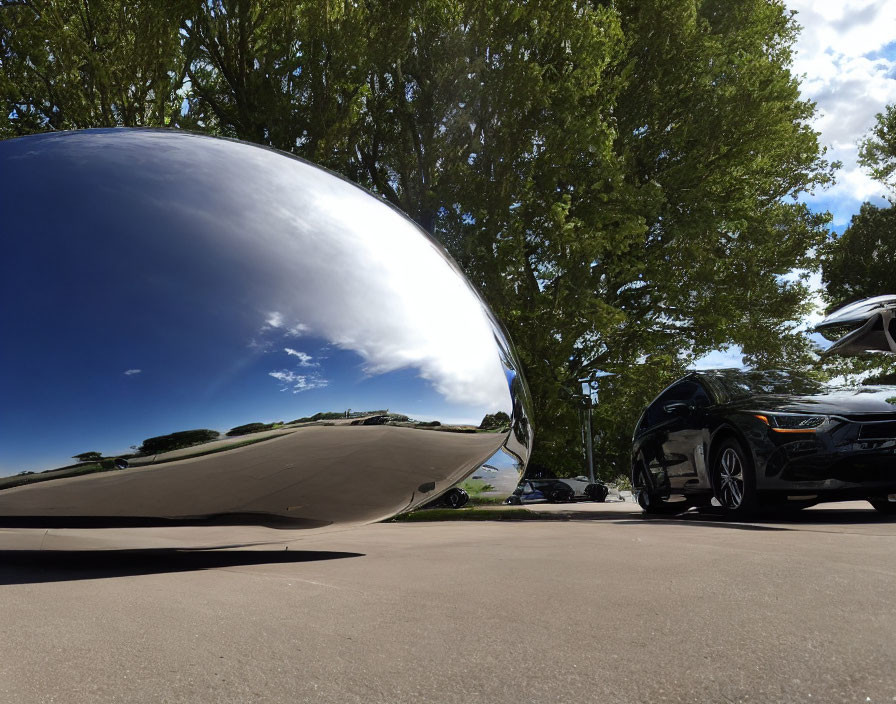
point(863, 399)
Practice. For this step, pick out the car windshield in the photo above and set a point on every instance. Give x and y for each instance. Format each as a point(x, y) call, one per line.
point(739, 384)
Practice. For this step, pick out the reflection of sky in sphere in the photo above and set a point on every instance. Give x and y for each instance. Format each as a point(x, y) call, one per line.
point(163, 282)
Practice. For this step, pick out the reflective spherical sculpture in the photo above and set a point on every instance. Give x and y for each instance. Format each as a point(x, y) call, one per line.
point(201, 332)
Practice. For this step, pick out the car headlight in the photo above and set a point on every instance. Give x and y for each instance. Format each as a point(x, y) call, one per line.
point(793, 422)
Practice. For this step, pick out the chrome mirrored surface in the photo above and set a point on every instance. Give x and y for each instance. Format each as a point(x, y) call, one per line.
point(199, 331)
point(866, 326)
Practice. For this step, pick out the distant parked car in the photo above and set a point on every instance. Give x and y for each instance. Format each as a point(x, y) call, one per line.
point(585, 490)
point(455, 497)
point(556, 491)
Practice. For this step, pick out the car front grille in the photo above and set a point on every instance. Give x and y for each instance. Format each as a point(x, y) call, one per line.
point(868, 417)
point(878, 431)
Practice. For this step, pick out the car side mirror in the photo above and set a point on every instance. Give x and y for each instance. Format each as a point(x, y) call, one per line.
point(678, 408)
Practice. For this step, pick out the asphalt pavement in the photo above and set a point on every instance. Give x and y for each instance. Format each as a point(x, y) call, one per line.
point(603, 605)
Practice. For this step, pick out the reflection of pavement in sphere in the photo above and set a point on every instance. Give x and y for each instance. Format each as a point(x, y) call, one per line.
point(316, 475)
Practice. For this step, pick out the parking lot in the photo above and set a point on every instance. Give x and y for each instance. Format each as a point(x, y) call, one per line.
point(592, 603)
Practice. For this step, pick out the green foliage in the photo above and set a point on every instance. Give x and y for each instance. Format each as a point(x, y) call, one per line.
point(252, 428)
point(88, 457)
point(623, 482)
point(474, 487)
point(877, 152)
point(493, 421)
point(860, 262)
point(176, 441)
point(618, 179)
point(24, 478)
point(328, 415)
point(68, 64)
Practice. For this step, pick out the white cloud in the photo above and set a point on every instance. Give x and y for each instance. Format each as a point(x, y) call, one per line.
point(131, 372)
point(290, 381)
point(306, 383)
point(305, 360)
point(260, 345)
point(845, 52)
point(274, 320)
point(371, 283)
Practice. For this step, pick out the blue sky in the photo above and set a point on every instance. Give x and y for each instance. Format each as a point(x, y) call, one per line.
point(846, 60)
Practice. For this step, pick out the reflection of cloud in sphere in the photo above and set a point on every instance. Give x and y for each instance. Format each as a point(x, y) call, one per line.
point(382, 294)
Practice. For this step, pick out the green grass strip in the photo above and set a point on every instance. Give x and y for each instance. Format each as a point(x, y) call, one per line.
point(468, 514)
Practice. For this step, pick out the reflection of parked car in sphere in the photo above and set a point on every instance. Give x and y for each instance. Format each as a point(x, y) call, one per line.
point(751, 438)
point(455, 497)
point(556, 491)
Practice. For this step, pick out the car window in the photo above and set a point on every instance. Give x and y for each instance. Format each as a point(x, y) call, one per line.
point(690, 392)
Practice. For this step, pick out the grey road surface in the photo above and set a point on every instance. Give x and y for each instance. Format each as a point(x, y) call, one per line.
point(605, 607)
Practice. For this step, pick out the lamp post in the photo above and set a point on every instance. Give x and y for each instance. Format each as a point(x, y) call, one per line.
point(589, 452)
point(589, 398)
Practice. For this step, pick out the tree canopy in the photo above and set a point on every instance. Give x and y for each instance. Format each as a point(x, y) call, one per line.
point(176, 441)
point(618, 179)
point(860, 263)
point(877, 152)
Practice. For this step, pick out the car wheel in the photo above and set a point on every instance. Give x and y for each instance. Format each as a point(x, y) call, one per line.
point(649, 501)
point(558, 495)
point(652, 503)
point(733, 479)
point(596, 492)
point(884, 505)
point(513, 501)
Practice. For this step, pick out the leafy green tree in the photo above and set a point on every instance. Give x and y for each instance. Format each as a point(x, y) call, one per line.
point(88, 457)
point(493, 421)
point(176, 441)
point(286, 74)
point(655, 218)
point(248, 428)
point(860, 262)
point(68, 64)
point(877, 152)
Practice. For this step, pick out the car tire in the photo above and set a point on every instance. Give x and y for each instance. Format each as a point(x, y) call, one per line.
point(649, 501)
point(455, 498)
point(734, 479)
point(597, 492)
point(654, 504)
point(558, 495)
point(513, 501)
point(884, 505)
